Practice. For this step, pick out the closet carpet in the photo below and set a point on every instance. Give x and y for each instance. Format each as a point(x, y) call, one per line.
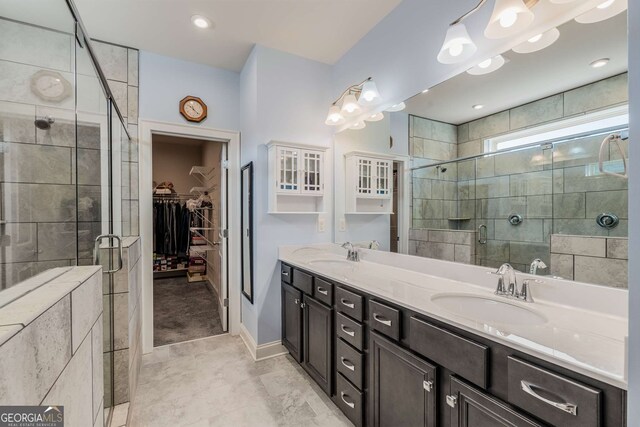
point(183, 311)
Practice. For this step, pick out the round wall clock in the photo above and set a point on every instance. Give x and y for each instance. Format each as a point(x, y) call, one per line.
point(50, 86)
point(193, 109)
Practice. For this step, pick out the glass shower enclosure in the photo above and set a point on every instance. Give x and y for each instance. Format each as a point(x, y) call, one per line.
point(64, 181)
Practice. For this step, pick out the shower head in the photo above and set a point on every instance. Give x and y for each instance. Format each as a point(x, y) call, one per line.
point(44, 123)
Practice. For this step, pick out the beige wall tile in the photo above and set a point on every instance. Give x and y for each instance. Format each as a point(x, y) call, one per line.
point(603, 271)
point(618, 248)
point(562, 265)
point(86, 307)
point(578, 245)
point(597, 95)
point(537, 112)
point(488, 126)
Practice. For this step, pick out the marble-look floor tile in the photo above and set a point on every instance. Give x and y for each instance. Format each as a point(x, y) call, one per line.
point(215, 382)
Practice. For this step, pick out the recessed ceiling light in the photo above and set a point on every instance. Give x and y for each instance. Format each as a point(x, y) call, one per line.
point(200, 21)
point(396, 107)
point(478, 107)
point(425, 91)
point(600, 63)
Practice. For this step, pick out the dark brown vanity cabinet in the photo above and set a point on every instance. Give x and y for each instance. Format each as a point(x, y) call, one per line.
point(385, 365)
point(292, 321)
point(403, 386)
point(471, 407)
point(317, 334)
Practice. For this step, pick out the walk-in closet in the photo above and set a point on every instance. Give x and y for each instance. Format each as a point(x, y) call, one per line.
point(189, 286)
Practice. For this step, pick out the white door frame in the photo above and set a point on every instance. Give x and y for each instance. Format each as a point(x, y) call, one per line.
point(147, 128)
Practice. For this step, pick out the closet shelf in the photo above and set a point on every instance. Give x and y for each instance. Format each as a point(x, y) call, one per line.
point(201, 170)
point(201, 228)
point(200, 249)
point(200, 189)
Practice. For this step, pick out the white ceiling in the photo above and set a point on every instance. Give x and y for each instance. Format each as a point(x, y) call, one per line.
point(528, 77)
point(322, 30)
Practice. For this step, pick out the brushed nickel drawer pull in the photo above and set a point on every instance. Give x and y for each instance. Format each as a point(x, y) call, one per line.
point(347, 331)
point(347, 303)
point(349, 404)
point(285, 273)
point(570, 408)
point(381, 319)
point(323, 291)
point(350, 366)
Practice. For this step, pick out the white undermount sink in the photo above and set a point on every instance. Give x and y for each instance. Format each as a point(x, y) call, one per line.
point(489, 310)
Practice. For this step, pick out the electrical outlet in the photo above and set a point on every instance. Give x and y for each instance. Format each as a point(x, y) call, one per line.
point(321, 225)
point(343, 225)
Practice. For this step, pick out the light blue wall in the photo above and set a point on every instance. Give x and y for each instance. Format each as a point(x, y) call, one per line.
point(285, 98)
point(633, 404)
point(164, 81)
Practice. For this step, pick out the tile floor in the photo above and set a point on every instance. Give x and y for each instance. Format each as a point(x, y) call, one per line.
point(215, 382)
point(183, 311)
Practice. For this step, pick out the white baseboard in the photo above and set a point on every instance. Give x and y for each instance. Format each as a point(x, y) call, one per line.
point(262, 351)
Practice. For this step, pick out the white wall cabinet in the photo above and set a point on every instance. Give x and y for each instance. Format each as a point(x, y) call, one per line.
point(369, 184)
point(296, 178)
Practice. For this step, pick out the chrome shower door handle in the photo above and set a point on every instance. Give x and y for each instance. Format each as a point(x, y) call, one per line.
point(96, 251)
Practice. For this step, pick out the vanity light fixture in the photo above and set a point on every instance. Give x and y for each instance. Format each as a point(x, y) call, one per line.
point(538, 42)
point(509, 17)
point(478, 107)
point(487, 66)
point(605, 10)
point(374, 117)
point(599, 63)
point(201, 21)
point(351, 101)
point(396, 107)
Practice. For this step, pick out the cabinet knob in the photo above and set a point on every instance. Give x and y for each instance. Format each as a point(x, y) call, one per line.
point(428, 385)
point(452, 401)
point(303, 305)
point(296, 301)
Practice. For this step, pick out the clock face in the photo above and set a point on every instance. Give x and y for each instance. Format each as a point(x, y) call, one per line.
point(193, 109)
point(50, 86)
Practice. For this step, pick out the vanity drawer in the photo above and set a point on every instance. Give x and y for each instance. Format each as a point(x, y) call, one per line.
point(323, 291)
point(466, 358)
point(303, 281)
point(551, 397)
point(384, 319)
point(350, 303)
point(350, 331)
point(350, 363)
point(349, 400)
point(285, 273)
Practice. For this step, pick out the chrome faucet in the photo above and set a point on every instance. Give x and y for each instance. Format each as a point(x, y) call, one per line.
point(508, 273)
point(535, 265)
point(352, 253)
point(375, 245)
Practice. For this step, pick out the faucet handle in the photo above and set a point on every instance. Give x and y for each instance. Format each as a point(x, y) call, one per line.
point(525, 292)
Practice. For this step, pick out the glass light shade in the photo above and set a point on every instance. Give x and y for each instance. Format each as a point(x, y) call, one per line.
point(509, 17)
point(334, 118)
point(488, 66)
point(538, 42)
point(561, 1)
point(396, 107)
point(374, 117)
point(358, 125)
point(457, 46)
point(369, 94)
point(350, 106)
point(605, 10)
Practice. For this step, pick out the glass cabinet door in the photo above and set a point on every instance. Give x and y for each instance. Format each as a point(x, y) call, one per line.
point(365, 177)
point(383, 181)
point(312, 172)
point(288, 171)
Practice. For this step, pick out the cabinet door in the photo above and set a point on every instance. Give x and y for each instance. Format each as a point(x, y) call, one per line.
point(292, 321)
point(312, 172)
point(318, 342)
point(288, 173)
point(365, 184)
point(384, 184)
point(470, 407)
point(403, 386)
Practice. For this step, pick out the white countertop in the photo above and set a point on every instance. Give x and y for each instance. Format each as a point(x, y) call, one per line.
point(586, 326)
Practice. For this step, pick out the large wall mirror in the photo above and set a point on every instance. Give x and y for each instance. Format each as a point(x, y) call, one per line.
point(525, 163)
point(514, 163)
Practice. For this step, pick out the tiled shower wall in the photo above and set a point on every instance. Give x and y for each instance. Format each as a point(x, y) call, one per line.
point(550, 188)
point(39, 168)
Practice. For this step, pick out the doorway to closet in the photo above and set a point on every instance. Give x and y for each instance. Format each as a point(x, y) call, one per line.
point(190, 284)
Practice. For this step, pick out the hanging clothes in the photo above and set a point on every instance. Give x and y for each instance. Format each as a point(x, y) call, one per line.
point(171, 227)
